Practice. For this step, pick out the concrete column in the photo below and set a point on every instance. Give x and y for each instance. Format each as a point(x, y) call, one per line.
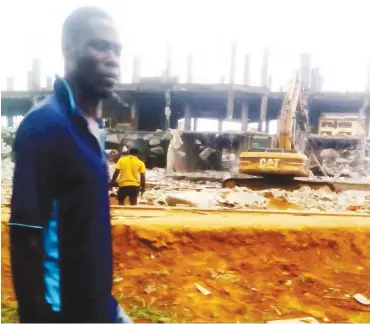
point(10, 121)
point(167, 109)
point(36, 74)
point(244, 116)
point(305, 70)
point(195, 124)
point(49, 83)
point(265, 68)
point(319, 80)
point(368, 78)
point(267, 126)
point(313, 85)
point(189, 68)
point(29, 81)
point(9, 84)
point(187, 118)
point(220, 125)
point(230, 104)
point(133, 115)
point(232, 63)
point(230, 94)
point(247, 69)
point(263, 113)
point(167, 71)
point(270, 82)
point(136, 69)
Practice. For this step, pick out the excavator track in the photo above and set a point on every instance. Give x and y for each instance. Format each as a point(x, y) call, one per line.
point(291, 184)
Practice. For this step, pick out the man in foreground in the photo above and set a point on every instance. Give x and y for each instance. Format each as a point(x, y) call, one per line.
point(61, 245)
point(131, 171)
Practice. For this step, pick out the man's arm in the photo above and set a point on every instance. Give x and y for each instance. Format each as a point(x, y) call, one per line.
point(116, 173)
point(31, 202)
point(142, 182)
point(142, 171)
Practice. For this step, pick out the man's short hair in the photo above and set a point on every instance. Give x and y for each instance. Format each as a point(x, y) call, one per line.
point(134, 151)
point(76, 22)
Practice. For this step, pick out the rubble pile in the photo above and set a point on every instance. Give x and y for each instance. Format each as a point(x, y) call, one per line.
point(324, 199)
point(183, 193)
point(7, 167)
point(342, 164)
point(152, 145)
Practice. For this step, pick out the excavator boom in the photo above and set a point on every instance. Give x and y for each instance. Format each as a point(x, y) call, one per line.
point(287, 116)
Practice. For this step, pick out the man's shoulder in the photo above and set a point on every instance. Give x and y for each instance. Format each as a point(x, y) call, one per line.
point(126, 159)
point(45, 115)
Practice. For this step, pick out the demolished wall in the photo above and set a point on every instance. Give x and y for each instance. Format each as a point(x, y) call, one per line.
point(340, 159)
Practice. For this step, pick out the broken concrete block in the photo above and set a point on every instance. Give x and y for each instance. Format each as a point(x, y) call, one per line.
point(155, 141)
point(157, 150)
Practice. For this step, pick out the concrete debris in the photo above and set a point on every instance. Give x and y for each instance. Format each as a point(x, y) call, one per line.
point(190, 198)
point(167, 136)
point(175, 158)
point(176, 191)
point(326, 201)
point(148, 137)
point(7, 167)
point(130, 144)
point(155, 141)
point(199, 189)
point(246, 198)
point(203, 290)
point(150, 288)
point(112, 138)
point(206, 153)
point(275, 193)
point(340, 163)
point(229, 161)
point(157, 150)
point(362, 299)
point(132, 137)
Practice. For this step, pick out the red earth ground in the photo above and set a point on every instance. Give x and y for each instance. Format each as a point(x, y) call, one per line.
point(257, 268)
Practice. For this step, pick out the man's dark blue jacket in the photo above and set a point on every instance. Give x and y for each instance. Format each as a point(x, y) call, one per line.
point(61, 245)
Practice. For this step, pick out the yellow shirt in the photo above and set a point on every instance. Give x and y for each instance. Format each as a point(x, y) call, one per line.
point(130, 168)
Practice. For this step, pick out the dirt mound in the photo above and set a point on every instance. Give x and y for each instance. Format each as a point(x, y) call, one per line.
point(218, 268)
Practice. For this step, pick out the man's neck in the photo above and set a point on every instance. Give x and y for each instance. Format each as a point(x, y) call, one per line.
point(88, 104)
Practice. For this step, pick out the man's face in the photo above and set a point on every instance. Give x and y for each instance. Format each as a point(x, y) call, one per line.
point(97, 61)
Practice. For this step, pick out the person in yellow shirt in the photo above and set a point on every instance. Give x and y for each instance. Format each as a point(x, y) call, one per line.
point(130, 176)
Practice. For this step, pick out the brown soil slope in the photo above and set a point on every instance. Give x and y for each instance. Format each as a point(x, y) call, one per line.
point(256, 267)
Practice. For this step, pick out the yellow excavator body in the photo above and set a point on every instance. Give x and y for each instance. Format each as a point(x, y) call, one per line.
point(265, 162)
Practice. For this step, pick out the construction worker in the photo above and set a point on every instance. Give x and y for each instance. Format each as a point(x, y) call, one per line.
point(60, 231)
point(130, 171)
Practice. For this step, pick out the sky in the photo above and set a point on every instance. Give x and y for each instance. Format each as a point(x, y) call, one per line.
point(336, 33)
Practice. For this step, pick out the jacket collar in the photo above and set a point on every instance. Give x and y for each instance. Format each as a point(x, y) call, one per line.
point(64, 93)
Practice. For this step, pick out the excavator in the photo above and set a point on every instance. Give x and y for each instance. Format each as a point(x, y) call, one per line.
point(279, 161)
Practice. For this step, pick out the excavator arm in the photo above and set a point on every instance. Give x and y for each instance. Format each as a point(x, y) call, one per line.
point(286, 123)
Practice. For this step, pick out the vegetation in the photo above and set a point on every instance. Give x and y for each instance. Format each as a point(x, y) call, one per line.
point(142, 310)
point(9, 313)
